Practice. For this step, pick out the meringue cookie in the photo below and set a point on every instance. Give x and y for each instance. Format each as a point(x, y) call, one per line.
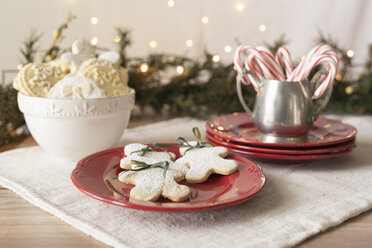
point(75, 87)
point(112, 57)
point(81, 51)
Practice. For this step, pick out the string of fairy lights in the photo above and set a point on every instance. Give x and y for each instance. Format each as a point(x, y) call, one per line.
point(239, 6)
point(188, 43)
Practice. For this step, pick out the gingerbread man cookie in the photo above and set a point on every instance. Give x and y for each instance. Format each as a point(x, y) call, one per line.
point(202, 162)
point(151, 183)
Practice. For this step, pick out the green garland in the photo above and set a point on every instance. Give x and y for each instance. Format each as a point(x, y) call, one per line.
point(188, 95)
point(191, 94)
point(205, 88)
point(10, 116)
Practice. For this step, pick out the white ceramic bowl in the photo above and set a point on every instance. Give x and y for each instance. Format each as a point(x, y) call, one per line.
point(75, 128)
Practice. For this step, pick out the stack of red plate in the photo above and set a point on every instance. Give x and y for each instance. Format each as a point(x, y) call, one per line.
point(328, 138)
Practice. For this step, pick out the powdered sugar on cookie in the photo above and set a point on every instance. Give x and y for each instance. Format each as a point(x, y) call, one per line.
point(202, 162)
point(132, 152)
point(151, 183)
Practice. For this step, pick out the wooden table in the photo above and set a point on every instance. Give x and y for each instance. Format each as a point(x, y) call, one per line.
point(24, 225)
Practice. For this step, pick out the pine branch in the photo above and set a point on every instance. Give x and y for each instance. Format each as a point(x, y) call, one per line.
point(30, 47)
point(125, 40)
point(10, 116)
point(54, 48)
point(345, 61)
point(273, 47)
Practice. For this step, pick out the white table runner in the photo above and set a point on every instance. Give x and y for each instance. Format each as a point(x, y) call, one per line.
point(297, 202)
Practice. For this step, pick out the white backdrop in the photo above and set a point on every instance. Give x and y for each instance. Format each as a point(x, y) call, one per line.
point(349, 22)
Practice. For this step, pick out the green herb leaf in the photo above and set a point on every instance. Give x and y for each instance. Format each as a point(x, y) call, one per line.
point(142, 151)
point(162, 147)
point(199, 144)
point(197, 134)
point(143, 166)
point(166, 167)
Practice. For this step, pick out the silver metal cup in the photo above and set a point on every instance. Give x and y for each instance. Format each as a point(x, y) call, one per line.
point(283, 111)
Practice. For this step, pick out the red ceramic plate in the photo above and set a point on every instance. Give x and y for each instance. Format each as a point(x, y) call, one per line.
point(300, 151)
point(282, 158)
point(239, 128)
point(94, 175)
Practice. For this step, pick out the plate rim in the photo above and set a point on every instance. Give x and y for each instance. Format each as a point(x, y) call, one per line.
point(288, 157)
point(136, 206)
point(345, 145)
point(286, 145)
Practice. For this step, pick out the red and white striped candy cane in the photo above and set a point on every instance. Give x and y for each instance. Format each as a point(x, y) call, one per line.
point(324, 49)
point(246, 77)
point(315, 52)
point(238, 65)
point(267, 71)
point(271, 62)
point(252, 65)
point(262, 60)
point(332, 69)
point(304, 62)
point(283, 56)
point(304, 73)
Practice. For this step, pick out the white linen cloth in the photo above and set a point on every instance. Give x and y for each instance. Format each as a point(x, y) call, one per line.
point(298, 201)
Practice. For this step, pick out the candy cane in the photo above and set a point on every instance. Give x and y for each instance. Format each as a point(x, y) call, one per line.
point(271, 62)
point(246, 78)
point(332, 68)
point(252, 65)
point(316, 51)
point(324, 49)
point(266, 70)
point(262, 61)
point(238, 66)
point(283, 55)
point(303, 74)
point(316, 61)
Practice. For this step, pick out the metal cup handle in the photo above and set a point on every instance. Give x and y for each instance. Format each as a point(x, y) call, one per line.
point(239, 91)
point(325, 101)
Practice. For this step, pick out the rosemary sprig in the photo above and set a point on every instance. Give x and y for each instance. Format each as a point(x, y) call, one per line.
point(142, 151)
point(164, 148)
point(199, 144)
point(143, 166)
point(182, 142)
